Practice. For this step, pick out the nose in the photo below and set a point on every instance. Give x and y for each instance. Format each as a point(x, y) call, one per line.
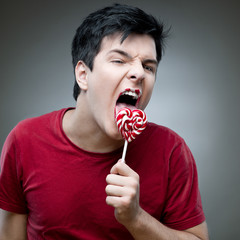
point(136, 72)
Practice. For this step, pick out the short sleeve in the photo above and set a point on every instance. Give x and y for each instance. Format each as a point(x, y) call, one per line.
point(183, 203)
point(11, 193)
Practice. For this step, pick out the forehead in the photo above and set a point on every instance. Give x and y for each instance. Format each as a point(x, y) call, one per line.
point(134, 44)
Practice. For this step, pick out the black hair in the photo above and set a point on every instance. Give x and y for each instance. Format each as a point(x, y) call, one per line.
point(109, 20)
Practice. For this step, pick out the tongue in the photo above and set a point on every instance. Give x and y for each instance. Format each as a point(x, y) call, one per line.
point(120, 106)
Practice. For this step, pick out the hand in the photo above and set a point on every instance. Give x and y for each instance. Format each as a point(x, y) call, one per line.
point(123, 192)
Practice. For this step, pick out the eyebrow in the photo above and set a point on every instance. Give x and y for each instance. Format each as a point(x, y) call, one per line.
point(127, 55)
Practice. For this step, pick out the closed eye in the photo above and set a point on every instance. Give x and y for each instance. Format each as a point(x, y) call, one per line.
point(149, 68)
point(117, 61)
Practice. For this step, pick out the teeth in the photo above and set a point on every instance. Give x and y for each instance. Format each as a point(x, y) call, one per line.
point(131, 93)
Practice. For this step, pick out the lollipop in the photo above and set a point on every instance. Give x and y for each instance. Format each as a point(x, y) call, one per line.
point(130, 124)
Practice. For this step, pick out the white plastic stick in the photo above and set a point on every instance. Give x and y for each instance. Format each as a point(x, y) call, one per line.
point(124, 151)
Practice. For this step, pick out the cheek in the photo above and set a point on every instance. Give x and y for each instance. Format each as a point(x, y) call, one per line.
point(101, 92)
point(148, 89)
point(106, 79)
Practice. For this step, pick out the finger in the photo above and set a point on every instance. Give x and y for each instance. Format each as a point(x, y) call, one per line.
point(116, 191)
point(118, 180)
point(124, 185)
point(123, 170)
point(113, 201)
point(122, 192)
point(118, 202)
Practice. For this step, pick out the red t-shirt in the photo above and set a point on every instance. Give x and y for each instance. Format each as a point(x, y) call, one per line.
point(62, 187)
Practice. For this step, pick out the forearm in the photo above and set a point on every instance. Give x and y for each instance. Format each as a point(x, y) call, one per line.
point(147, 227)
point(13, 226)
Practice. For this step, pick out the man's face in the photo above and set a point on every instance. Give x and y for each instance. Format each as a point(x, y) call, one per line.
point(123, 75)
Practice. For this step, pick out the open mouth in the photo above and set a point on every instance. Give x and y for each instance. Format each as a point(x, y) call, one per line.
point(128, 98)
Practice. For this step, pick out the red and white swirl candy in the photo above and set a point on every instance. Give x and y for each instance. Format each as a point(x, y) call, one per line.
point(131, 123)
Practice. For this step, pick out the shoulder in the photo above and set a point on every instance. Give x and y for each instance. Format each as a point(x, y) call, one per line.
point(35, 128)
point(38, 119)
point(33, 131)
point(36, 124)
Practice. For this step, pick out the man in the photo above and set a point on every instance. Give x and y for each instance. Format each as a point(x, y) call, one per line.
point(60, 174)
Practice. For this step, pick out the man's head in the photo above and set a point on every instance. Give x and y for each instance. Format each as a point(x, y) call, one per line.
point(107, 21)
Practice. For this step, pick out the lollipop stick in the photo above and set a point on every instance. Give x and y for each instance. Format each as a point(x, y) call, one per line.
point(124, 151)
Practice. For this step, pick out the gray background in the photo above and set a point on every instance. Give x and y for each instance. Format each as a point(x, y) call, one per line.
point(196, 94)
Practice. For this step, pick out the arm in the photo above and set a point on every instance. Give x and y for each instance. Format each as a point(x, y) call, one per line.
point(12, 226)
point(123, 195)
point(147, 227)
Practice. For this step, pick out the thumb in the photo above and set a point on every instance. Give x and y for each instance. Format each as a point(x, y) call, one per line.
point(120, 168)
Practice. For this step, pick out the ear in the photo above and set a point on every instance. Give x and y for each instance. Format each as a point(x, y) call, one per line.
point(81, 75)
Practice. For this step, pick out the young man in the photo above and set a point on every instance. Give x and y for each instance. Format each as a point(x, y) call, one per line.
point(60, 174)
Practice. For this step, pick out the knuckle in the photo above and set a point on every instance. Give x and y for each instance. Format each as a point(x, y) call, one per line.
point(137, 177)
point(125, 202)
point(117, 165)
point(132, 193)
point(134, 183)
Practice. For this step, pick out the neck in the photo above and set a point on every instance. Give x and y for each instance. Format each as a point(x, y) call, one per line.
point(85, 133)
